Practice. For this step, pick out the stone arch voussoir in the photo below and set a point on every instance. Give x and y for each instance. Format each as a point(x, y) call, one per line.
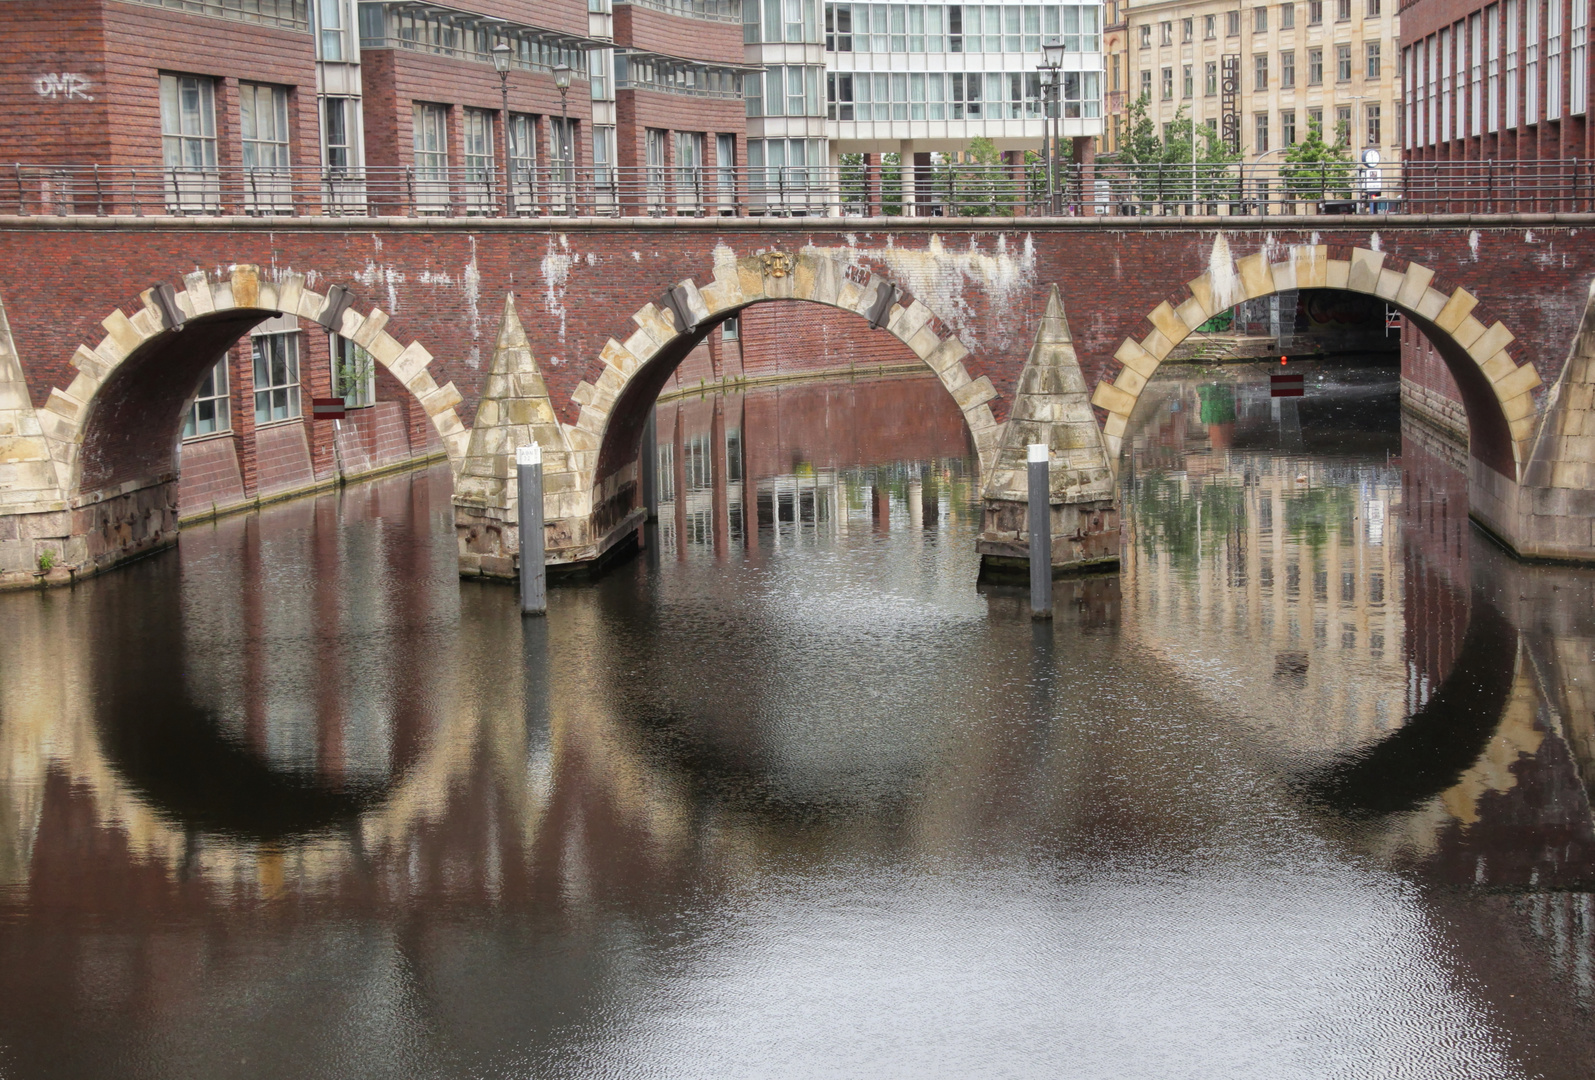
point(65, 416)
point(1310, 266)
point(776, 275)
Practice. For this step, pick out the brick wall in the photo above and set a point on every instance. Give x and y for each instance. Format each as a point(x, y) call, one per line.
point(678, 35)
point(211, 477)
point(580, 287)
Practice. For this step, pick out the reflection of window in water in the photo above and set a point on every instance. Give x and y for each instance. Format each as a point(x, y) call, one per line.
point(1320, 632)
point(1265, 572)
point(1265, 513)
point(1348, 587)
point(698, 463)
point(1321, 585)
point(1376, 588)
point(1292, 580)
point(1376, 645)
point(667, 472)
point(1348, 636)
point(734, 455)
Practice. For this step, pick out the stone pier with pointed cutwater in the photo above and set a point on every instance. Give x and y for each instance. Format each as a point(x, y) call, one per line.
point(515, 411)
point(1052, 406)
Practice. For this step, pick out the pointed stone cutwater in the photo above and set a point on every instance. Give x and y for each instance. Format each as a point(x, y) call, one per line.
point(1052, 406)
point(1554, 512)
point(33, 511)
point(515, 410)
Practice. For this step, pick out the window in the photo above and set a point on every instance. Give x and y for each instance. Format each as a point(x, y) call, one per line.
point(1375, 136)
point(1553, 58)
point(1260, 20)
point(1372, 49)
point(1260, 144)
point(731, 329)
point(1146, 85)
point(1116, 71)
point(1511, 63)
point(1211, 79)
point(263, 126)
point(1342, 63)
point(1209, 27)
point(1492, 35)
point(1082, 94)
point(1343, 131)
point(1444, 61)
point(725, 163)
point(354, 373)
point(336, 144)
point(753, 95)
point(1166, 33)
point(1315, 12)
point(1232, 23)
point(1315, 67)
point(1146, 37)
point(1579, 88)
point(188, 123)
point(1342, 10)
point(1287, 69)
point(1168, 83)
point(1315, 117)
point(211, 412)
point(1260, 71)
point(1372, 10)
point(1531, 61)
point(1187, 30)
point(431, 142)
point(330, 40)
point(276, 377)
point(1287, 16)
point(1287, 127)
point(1186, 85)
point(479, 159)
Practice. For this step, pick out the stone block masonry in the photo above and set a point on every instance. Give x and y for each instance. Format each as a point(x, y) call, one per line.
point(602, 305)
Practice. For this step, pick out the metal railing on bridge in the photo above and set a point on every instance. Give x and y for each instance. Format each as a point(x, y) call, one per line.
point(937, 190)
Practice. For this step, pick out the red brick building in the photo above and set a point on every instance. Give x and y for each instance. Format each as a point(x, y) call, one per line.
point(1501, 81)
point(266, 106)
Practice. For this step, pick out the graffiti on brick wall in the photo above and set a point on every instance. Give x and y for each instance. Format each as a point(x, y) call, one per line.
point(62, 86)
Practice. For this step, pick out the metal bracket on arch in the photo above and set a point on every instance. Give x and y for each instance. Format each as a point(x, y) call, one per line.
point(676, 297)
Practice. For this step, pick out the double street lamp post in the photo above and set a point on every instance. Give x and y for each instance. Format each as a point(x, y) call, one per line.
point(566, 143)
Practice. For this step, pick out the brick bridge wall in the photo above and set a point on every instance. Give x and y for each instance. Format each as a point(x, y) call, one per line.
point(581, 283)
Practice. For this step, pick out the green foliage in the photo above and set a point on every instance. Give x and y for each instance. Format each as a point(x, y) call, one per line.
point(46, 561)
point(1218, 403)
point(980, 185)
point(854, 184)
point(1161, 165)
point(1177, 519)
point(1315, 515)
point(1315, 169)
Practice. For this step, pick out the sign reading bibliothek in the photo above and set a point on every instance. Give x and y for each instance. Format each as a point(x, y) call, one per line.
point(326, 408)
point(1285, 385)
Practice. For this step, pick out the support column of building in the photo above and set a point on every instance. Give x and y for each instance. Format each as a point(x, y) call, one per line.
point(1014, 166)
point(872, 185)
point(515, 411)
point(1083, 155)
point(1052, 406)
point(905, 170)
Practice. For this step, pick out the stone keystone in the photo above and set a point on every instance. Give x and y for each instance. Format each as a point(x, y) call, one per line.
point(515, 410)
point(1052, 406)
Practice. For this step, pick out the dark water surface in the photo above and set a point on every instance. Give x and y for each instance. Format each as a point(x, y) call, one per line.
point(1300, 793)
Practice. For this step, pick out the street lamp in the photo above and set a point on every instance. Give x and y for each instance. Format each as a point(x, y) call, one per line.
point(501, 64)
point(562, 84)
point(1052, 60)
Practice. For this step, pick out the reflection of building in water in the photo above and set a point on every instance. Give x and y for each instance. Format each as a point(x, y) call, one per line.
point(731, 465)
point(1271, 571)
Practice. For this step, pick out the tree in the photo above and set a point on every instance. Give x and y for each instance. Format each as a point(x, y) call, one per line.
point(980, 185)
point(1314, 169)
point(1161, 167)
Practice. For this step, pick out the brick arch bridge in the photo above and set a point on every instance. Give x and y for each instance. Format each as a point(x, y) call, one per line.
point(967, 295)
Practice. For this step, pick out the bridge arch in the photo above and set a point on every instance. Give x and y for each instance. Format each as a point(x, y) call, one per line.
point(98, 425)
point(1497, 392)
point(613, 409)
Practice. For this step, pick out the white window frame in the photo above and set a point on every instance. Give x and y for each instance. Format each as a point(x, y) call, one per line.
point(1512, 35)
point(1579, 76)
point(214, 398)
point(274, 362)
point(480, 161)
point(1492, 95)
point(188, 142)
point(354, 373)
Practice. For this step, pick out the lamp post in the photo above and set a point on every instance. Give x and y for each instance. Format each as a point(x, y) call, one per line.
point(501, 64)
point(1052, 60)
point(562, 84)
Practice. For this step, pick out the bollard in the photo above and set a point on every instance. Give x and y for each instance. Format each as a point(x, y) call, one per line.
point(648, 464)
point(1040, 509)
point(529, 481)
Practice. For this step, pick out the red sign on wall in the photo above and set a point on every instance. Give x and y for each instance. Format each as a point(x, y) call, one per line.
point(326, 408)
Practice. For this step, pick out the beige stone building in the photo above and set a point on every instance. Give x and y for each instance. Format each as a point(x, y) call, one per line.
point(1334, 61)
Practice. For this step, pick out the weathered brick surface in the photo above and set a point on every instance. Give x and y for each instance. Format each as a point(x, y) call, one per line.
point(442, 285)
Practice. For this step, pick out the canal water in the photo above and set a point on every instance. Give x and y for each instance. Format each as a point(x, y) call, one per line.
point(1301, 792)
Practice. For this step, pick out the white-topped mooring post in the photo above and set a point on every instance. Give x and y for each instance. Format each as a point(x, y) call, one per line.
point(529, 490)
point(1040, 521)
